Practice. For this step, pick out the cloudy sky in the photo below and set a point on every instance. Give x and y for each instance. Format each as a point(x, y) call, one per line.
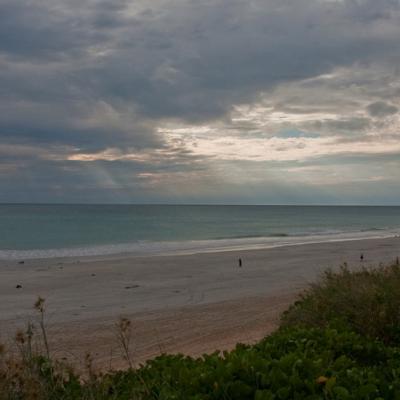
point(200, 101)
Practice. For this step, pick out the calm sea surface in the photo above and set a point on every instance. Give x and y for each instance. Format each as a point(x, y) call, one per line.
point(32, 231)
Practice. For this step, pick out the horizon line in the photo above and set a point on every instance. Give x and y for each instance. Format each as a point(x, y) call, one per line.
point(195, 204)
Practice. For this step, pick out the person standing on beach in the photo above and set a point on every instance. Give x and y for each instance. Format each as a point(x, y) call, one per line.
point(240, 262)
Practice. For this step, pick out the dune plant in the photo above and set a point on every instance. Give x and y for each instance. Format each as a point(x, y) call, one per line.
point(365, 300)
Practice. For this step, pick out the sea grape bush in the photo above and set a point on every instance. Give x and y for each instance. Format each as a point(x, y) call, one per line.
point(293, 363)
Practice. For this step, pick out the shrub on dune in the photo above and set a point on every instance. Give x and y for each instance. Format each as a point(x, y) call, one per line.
point(366, 300)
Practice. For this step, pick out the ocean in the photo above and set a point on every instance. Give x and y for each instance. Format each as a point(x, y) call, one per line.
point(42, 231)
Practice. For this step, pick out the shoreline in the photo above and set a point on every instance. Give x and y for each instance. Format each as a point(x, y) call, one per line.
point(185, 248)
point(181, 303)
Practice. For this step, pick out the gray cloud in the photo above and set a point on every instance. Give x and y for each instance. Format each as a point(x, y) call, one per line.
point(87, 76)
point(192, 60)
point(355, 124)
point(35, 30)
point(381, 109)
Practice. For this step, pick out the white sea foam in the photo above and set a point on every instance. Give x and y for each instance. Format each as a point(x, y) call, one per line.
point(147, 248)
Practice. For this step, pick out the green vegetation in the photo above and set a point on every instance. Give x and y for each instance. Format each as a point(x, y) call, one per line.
point(339, 341)
point(366, 301)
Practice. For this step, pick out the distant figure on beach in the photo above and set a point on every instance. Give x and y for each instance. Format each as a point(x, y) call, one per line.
point(240, 262)
point(362, 257)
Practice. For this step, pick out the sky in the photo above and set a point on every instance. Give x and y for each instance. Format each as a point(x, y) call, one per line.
point(200, 101)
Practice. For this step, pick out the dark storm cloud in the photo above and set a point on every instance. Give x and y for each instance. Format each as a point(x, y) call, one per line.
point(44, 30)
point(37, 179)
point(105, 14)
point(36, 30)
point(194, 60)
point(90, 75)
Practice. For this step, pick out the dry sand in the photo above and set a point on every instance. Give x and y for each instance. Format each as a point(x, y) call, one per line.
point(188, 303)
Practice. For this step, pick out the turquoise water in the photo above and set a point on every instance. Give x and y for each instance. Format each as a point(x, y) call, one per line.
point(62, 230)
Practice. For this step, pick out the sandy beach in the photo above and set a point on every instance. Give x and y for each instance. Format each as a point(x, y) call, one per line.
point(186, 303)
